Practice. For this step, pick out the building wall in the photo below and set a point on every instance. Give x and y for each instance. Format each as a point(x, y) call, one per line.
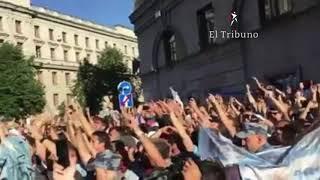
point(284, 44)
point(198, 72)
point(47, 19)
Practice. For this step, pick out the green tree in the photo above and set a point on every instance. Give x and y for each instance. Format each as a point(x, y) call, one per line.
point(20, 93)
point(96, 81)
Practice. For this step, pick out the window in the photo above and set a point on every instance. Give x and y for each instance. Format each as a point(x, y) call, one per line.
point(69, 99)
point(1, 24)
point(1, 41)
point(87, 42)
point(88, 57)
point(65, 55)
point(133, 51)
point(54, 78)
point(55, 99)
point(206, 23)
point(38, 51)
point(64, 37)
point(173, 48)
point(106, 44)
point(97, 44)
point(98, 57)
point(78, 56)
point(40, 78)
point(270, 9)
point(18, 27)
point(76, 40)
point(37, 31)
point(67, 79)
point(51, 37)
point(170, 46)
point(20, 45)
point(125, 49)
point(52, 53)
point(114, 45)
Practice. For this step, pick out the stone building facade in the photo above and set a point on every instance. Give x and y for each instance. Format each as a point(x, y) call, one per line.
point(59, 42)
point(176, 48)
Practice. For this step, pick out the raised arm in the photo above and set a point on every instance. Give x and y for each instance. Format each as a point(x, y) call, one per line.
point(182, 132)
point(89, 116)
point(280, 106)
point(228, 123)
point(82, 148)
point(180, 129)
point(251, 99)
point(150, 148)
point(311, 105)
point(233, 107)
point(204, 120)
point(78, 115)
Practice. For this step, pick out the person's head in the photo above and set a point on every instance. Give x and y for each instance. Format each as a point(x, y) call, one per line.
point(114, 134)
point(99, 124)
point(148, 113)
point(275, 115)
point(176, 144)
point(211, 170)
point(284, 133)
point(100, 141)
point(163, 148)
point(254, 136)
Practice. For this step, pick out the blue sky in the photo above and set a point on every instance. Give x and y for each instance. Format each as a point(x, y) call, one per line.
point(106, 12)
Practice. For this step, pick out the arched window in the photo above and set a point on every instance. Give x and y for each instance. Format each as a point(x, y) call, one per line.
point(170, 47)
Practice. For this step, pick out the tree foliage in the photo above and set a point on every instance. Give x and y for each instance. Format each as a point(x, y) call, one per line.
point(20, 93)
point(96, 81)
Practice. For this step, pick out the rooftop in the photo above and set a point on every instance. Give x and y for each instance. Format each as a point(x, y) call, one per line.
point(115, 29)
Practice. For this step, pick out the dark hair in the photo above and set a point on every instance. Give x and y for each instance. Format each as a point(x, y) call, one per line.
point(174, 138)
point(211, 170)
point(103, 137)
point(31, 140)
point(163, 147)
point(120, 149)
point(103, 120)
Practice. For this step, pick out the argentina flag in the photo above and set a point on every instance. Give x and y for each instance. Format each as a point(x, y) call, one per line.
point(302, 161)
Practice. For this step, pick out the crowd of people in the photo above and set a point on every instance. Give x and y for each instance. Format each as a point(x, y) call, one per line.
point(157, 140)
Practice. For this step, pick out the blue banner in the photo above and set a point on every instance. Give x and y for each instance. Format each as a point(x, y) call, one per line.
point(301, 161)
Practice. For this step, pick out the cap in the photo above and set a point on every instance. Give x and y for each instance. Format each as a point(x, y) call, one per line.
point(252, 129)
point(128, 141)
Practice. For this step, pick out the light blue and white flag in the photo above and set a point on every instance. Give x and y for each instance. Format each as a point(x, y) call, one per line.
point(301, 161)
point(176, 96)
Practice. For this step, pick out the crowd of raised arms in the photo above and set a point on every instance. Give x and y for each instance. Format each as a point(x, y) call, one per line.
point(159, 139)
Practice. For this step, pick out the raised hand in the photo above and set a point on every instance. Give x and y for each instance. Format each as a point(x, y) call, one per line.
point(129, 118)
point(60, 173)
point(248, 87)
point(313, 104)
point(191, 171)
point(212, 98)
point(193, 103)
point(168, 129)
point(257, 82)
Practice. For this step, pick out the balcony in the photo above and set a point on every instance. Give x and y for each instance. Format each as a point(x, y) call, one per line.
point(56, 64)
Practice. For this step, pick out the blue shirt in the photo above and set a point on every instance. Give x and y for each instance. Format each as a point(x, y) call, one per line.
point(106, 160)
